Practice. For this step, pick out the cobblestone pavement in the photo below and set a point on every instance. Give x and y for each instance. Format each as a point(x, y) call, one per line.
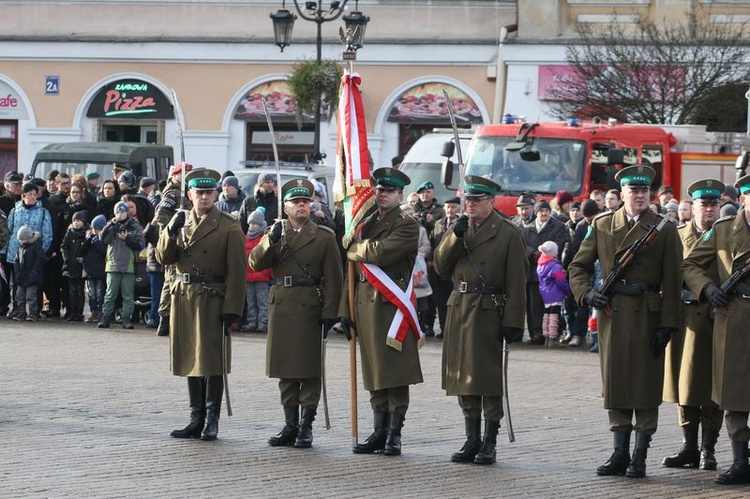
point(86, 412)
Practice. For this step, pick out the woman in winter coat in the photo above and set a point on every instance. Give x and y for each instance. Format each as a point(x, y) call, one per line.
point(553, 287)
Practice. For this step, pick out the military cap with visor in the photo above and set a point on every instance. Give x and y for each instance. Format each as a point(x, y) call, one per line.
point(477, 187)
point(706, 189)
point(202, 178)
point(743, 184)
point(297, 188)
point(636, 176)
point(390, 178)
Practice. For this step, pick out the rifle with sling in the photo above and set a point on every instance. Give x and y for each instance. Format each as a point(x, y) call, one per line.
point(737, 277)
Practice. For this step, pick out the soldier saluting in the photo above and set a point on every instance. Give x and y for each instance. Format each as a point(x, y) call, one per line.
point(207, 249)
point(641, 313)
point(385, 250)
point(304, 298)
point(687, 379)
point(727, 246)
point(486, 257)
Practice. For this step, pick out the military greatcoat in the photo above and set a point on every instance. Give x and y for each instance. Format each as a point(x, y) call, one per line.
point(215, 247)
point(473, 339)
point(632, 376)
point(293, 342)
point(687, 376)
point(727, 245)
point(391, 244)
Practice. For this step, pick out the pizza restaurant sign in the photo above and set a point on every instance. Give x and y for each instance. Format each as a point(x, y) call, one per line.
point(11, 104)
point(134, 99)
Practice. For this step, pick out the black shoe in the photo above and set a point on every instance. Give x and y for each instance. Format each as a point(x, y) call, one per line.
point(163, 329)
point(429, 332)
point(288, 433)
point(197, 393)
point(304, 436)
point(618, 462)
point(393, 440)
point(637, 466)
point(376, 441)
point(537, 340)
point(739, 472)
point(127, 325)
point(708, 444)
point(487, 453)
point(106, 320)
point(473, 442)
point(688, 456)
point(51, 313)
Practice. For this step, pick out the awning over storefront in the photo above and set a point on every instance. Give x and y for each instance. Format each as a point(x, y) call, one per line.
point(425, 103)
point(131, 99)
point(279, 100)
point(11, 104)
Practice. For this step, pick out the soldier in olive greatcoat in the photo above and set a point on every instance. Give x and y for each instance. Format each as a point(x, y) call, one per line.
point(384, 250)
point(687, 377)
point(207, 294)
point(304, 299)
point(641, 313)
point(727, 246)
point(486, 257)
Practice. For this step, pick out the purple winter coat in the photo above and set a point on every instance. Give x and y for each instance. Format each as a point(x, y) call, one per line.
point(553, 284)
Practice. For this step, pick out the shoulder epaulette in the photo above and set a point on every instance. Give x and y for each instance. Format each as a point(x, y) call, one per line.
point(326, 229)
point(725, 219)
point(229, 216)
point(604, 214)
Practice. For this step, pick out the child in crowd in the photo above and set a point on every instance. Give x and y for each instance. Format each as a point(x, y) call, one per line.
point(28, 270)
point(258, 282)
point(124, 238)
point(594, 335)
point(553, 287)
point(72, 249)
point(95, 253)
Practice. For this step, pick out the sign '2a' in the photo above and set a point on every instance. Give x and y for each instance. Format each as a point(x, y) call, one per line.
point(52, 85)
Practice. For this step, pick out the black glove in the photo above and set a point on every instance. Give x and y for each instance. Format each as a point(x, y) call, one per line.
point(275, 233)
point(716, 296)
point(177, 223)
point(596, 299)
point(659, 340)
point(512, 334)
point(230, 319)
point(460, 226)
point(326, 325)
point(348, 326)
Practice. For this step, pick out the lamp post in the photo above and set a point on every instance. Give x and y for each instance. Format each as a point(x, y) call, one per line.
point(283, 22)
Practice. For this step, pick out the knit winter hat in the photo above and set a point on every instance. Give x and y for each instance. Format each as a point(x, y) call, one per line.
point(99, 222)
point(121, 206)
point(549, 248)
point(589, 208)
point(541, 204)
point(25, 233)
point(231, 180)
point(128, 178)
point(265, 177)
point(258, 217)
point(146, 182)
point(563, 197)
point(81, 215)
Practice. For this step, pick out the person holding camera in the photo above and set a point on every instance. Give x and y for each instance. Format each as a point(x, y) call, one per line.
point(124, 239)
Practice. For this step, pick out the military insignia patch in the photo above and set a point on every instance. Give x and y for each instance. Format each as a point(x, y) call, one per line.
point(589, 231)
point(707, 236)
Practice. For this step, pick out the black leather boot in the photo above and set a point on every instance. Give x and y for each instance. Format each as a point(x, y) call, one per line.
point(288, 433)
point(487, 454)
point(214, 392)
point(163, 328)
point(106, 320)
point(708, 444)
point(688, 455)
point(739, 472)
point(618, 462)
point(376, 441)
point(305, 437)
point(197, 393)
point(637, 467)
point(393, 441)
point(472, 444)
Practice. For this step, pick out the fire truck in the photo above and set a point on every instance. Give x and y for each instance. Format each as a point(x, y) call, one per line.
point(579, 157)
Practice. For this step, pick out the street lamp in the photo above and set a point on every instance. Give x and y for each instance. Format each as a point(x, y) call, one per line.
point(283, 22)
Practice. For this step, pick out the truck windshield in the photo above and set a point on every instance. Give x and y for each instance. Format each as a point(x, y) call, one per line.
point(560, 164)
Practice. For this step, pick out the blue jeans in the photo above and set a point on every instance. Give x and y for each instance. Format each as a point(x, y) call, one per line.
point(97, 288)
point(156, 279)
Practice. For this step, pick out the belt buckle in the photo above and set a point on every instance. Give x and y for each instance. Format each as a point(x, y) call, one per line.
point(185, 277)
point(287, 281)
point(463, 287)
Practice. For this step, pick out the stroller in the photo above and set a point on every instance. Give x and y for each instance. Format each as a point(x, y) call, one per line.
point(141, 294)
